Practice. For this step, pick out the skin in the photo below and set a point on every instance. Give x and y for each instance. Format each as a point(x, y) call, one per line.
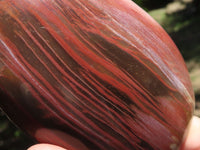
point(191, 141)
point(45, 147)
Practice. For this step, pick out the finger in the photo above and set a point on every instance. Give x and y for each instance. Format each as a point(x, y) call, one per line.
point(45, 147)
point(192, 141)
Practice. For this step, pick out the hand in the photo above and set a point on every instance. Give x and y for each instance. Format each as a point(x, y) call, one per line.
point(45, 147)
point(191, 141)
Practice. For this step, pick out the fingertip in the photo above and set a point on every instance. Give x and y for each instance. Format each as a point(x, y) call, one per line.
point(45, 147)
point(193, 136)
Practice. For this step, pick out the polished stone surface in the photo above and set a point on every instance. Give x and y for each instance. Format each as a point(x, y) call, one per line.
point(92, 75)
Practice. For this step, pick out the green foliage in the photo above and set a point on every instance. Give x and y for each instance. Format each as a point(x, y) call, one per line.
point(12, 138)
point(151, 4)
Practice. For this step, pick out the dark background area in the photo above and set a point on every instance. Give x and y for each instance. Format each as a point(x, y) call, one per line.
point(180, 18)
point(152, 4)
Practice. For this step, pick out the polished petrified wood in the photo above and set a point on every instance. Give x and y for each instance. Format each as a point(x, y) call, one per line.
point(92, 75)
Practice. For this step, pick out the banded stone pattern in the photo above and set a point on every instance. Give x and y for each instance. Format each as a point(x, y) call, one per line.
point(92, 75)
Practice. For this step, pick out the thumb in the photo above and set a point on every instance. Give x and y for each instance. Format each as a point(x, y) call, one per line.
point(45, 147)
point(192, 140)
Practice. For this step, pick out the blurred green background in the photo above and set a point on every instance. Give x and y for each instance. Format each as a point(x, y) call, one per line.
point(180, 18)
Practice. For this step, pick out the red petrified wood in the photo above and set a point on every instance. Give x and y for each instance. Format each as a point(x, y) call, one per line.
point(92, 75)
